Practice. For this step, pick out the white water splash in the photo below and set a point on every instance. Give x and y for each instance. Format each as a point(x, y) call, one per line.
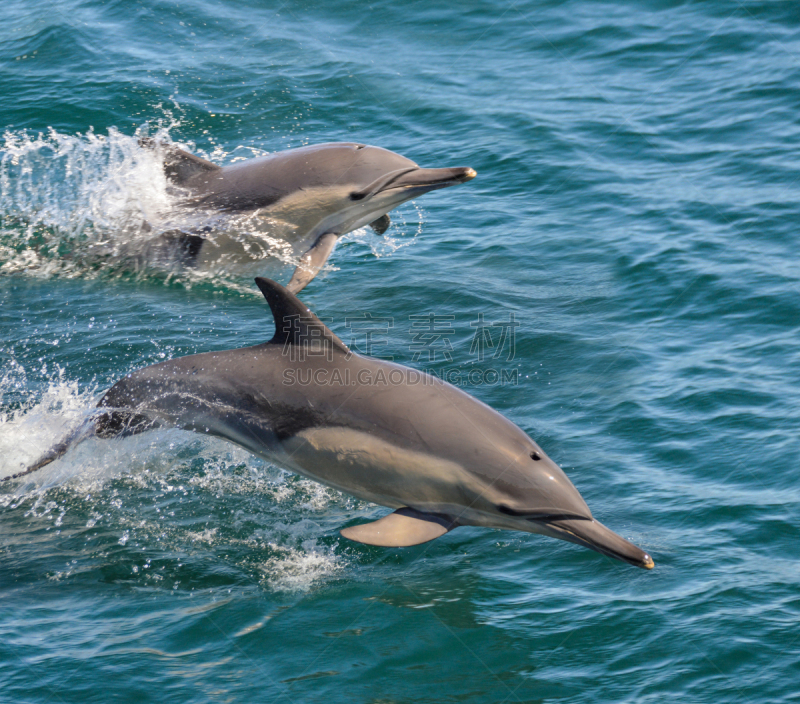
point(83, 194)
point(29, 430)
point(294, 570)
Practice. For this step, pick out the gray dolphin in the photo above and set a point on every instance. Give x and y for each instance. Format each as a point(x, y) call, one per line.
point(383, 432)
point(311, 196)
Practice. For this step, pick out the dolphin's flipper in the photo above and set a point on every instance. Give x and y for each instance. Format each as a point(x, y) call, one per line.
point(311, 262)
point(381, 224)
point(179, 166)
point(402, 528)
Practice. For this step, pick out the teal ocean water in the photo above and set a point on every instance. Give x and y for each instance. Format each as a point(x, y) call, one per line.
point(635, 211)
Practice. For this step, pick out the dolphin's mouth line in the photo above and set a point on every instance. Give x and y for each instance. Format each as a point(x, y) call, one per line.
point(381, 184)
point(547, 518)
point(542, 515)
point(428, 186)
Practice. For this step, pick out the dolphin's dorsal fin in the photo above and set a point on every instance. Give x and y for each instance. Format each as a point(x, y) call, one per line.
point(295, 324)
point(179, 166)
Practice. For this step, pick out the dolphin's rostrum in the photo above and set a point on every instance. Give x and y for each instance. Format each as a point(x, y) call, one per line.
point(311, 196)
point(383, 432)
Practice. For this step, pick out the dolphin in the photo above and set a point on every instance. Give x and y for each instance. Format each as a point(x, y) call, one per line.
point(380, 431)
point(309, 196)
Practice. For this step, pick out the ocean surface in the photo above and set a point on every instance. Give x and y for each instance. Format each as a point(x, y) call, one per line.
point(635, 211)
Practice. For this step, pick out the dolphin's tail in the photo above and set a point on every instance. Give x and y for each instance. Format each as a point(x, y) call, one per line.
point(104, 424)
point(82, 432)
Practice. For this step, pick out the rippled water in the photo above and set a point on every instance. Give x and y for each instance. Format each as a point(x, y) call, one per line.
point(635, 210)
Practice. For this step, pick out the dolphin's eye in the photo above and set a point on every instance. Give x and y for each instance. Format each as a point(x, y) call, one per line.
point(535, 456)
point(355, 195)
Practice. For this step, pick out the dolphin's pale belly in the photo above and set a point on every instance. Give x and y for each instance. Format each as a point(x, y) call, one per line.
point(379, 471)
point(353, 461)
point(284, 230)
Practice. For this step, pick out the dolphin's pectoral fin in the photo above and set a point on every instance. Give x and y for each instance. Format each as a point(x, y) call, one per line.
point(381, 224)
point(311, 262)
point(404, 527)
point(179, 166)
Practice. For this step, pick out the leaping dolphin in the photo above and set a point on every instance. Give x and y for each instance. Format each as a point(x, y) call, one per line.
point(377, 430)
point(312, 195)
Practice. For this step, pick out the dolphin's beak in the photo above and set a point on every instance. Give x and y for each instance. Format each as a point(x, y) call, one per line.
point(593, 534)
point(431, 179)
point(420, 180)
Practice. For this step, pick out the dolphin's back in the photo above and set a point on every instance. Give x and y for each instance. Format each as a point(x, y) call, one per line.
point(222, 393)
